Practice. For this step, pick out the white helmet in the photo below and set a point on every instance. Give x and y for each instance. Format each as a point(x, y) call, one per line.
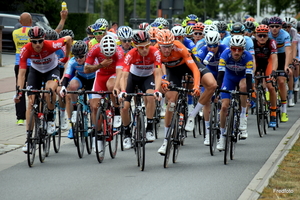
point(178, 31)
point(237, 41)
point(294, 22)
point(124, 33)
point(216, 23)
point(212, 37)
point(162, 20)
point(102, 21)
point(108, 46)
point(208, 28)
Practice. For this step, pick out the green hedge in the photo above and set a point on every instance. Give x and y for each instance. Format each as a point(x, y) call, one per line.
point(77, 22)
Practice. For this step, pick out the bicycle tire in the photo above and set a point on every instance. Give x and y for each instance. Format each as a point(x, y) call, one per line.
point(113, 138)
point(197, 126)
point(122, 137)
point(234, 134)
point(43, 135)
point(79, 131)
point(265, 114)
point(176, 139)
point(295, 97)
point(259, 113)
point(140, 141)
point(47, 142)
point(100, 136)
point(32, 137)
point(228, 133)
point(57, 134)
point(169, 138)
point(213, 129)
point(88, 133)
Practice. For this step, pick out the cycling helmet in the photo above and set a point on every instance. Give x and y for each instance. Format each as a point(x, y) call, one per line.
point(140, 37)
point(164, 37)
point(237, 28)
point(102, 21)
point(250, 19)
point(275, 20)
point(199, 26)
point(265, 21)
point(152, 32)
point(147, 28)
point(124, 33)
point(143, 25)
point(294, 22)
point(210, 28)
point(99, 27)
point(249, 25)
point(212, 37)
point(36, 32)
point(178, 31)
point(208, 22)
point(88, 30)
point(66, 32)
point(108, 46)
point(284, 25)
point(51, 35)
point(189, 30)
point(192, 17)
point(79, 48)
point(157, 24)
point(262, 29)
point(222, 26)
point(162, 21)
point(290, 21)
point(237, 41)
point(184, 23)
point(216, 23)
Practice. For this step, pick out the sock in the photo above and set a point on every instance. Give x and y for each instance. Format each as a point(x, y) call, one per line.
point(243, 112)
point(149, 125)
point(50, 116)
point(207, 125)
point(117, 111)
point(196, 110)
point(74, 106)
point(166, 131)
point(283, 106)
point(127, 130)
point(62, 113)
point(190, 99)
point(290, 94)
point(222, 131)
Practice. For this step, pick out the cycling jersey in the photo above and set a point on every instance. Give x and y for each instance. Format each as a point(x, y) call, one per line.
point(44, 61)
point(298, 46)
point(188, 43)
point(226, 35)
point(20, 37)
point(214, 61)
point(262, 54)
point(142, 66)
point(95, 53)
point(126, 51)
point(249, 43)
point(92, 42)
point(293, 34)
point(200, 44)
point(73, 67)
point(283, 40)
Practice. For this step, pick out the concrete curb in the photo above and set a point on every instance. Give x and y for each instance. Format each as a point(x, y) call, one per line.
point(261, 179)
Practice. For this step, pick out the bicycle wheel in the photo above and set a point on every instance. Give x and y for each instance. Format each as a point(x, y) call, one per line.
point(177, 134)
point(156, 120)
point(100, 133)
point(266, 113)
point(113, 137)
point(42, 136)
point(79, 131)
point(57, 134)
point(140, 141)
point(259, 113)
point(121, 137)
point(197, 128)
point(234, 134)
point(32, 138)
point(295, 97)
point(47, 141)
point(170, 141)
point(228, 133)
point(213, 130)
point(88, 132)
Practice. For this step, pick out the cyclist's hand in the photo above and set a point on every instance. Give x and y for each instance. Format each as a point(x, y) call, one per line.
point(157, 95)
point(250, 93)
point(165, 84)
point(63, 91)
point(17, 97)
point(122, 95)
point(196, 91)
point(106, 62)
point(116, 91)
point(62, 61)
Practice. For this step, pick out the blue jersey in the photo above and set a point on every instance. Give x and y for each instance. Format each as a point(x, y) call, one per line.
point(200, 44)
point(283, 40)
point(249, 43)
point(226, 35)
point(73, 67)
point(214, 61)
point(189, 44)
point(60, 54)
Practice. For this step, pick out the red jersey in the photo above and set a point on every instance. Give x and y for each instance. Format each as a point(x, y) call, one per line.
point(142, 66)
point(44, 61)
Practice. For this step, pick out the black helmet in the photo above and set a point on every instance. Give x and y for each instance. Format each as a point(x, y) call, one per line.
point(36, 32)
point(237, 28)
point(249, 25)
point(79, 48)
point(88, 30)
point(140, 37)
point(222, 26)
point(265, 21)
point(51, 35)
point(66, 32)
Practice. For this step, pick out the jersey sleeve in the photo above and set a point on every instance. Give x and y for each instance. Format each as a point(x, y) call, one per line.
point(120, 58)
point(24, 54)
point(127, 60)
point(92, 55)
point(157, 58)
point(70, 69)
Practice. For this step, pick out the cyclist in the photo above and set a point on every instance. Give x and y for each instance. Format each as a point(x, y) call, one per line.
point(125, 36)
point(105, 23)
point(80, 80)
point(212, 40)
point(191, 19)
point(108, 69)
point(198, 32)
point(152, 31)
point(284, 55)
point(235, 69)
point(249, 28)
point(189, 31)
point(89, 33)
point(265, 50)
point(44, 68)
point(99, 31)
point(206, 29)
point(178, 61)
point(165, 23)
point(222, 28)
point(141, 67)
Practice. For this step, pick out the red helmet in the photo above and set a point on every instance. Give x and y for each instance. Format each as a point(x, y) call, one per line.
point(36, 32)
point(152, 32)
point(143, 25)
point(140, 37)
point(262, 29)
point(199, 26)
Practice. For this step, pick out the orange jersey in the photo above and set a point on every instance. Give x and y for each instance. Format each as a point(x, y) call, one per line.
point(179, 56)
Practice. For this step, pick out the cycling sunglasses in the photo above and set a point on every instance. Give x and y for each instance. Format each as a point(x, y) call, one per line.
point(198, 33)
point(212, 45)
point(143, 46)
point(99, 33)
point(274, 26)
point(237, 48)
point(37, 41)
point(126, 41)
point(262, 35)
point(79, 56)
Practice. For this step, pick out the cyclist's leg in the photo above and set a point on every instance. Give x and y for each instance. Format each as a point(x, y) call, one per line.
point(281, 80)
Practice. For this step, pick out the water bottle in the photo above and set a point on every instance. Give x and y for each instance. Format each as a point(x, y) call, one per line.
point(208, 57)
point(172, 107)
point(181, 119)
point(109, 117)
point(63, 6)
point(41, 118)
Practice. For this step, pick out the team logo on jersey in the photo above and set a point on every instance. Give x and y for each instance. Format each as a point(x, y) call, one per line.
point(222, 62)
point(127, 59)
point(57, 45)
point(249, 65)
point(157, 56)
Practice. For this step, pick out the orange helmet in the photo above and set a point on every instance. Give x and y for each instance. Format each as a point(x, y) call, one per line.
point(164, 37)
point(262, 29)
point(152, 32)
point(251, 19)
point(199, 26)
